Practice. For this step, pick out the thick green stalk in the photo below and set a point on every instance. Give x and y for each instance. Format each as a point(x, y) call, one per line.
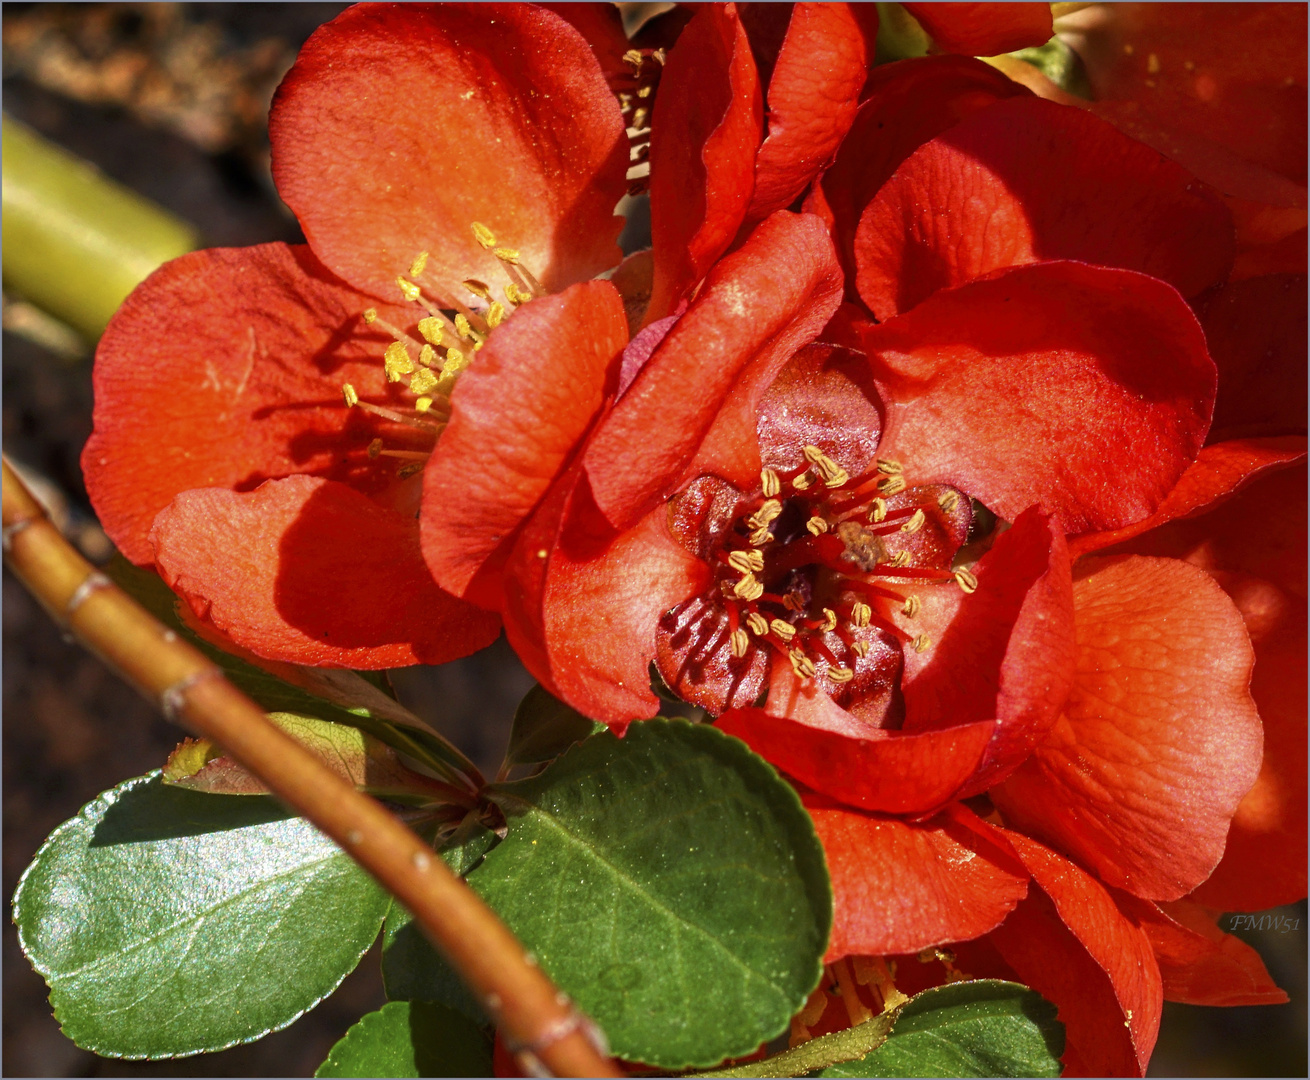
point(849, 1045)
point(75, 242)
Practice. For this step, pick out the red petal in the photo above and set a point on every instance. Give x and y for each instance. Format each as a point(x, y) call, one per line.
point(1003, 653)
point(899, 888)
point(758, 307)
point(906, 104)
point(1199, 963)
point(1218, 473)
point(1072, 944)
point(244, 388)
point(583, 601)
point(400, 125)
point(827, 749)
point(1256, 331)
point(984, 29)
point(812, 96)
point(1160, 738)
point(704, 135)
point(309, 571)
point(1042, 385)
point(1026, 180)
point(515, 422)
point(602, 26)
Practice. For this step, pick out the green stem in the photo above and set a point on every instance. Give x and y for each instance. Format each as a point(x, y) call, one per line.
point(75, 242)
point(849, 1045)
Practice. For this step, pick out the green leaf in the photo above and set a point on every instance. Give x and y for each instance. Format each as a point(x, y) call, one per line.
point(544, 727)
point(412, 970)
point(169, 922)
point(672, 883)
point(984, 1027)
point(411, 1038)
point(341, 697)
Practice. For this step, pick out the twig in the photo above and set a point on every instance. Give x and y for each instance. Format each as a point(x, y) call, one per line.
point(536, 1018)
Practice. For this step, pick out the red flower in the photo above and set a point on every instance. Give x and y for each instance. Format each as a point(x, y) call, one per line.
point(412, 143)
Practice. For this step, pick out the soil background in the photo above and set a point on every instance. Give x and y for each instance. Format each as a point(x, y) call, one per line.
point(170, 100)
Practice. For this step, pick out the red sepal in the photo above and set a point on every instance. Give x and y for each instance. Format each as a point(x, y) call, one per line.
point(309, 571)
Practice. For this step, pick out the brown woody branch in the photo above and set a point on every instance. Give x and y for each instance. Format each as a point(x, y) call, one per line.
point(534, 1017)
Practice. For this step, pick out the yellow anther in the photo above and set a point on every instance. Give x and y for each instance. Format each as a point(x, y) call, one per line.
point(419, 264)
point(411, 291)
point(948, 501)
point(639, 118)
point(915, 523)
point(837, 478)
point(406, 471)
point(860, 649)
point(861, 613)
point(911, 607)
point(495, 314)
point(483, 235)
point(833, 474)
point(478, 288)
point(878, 511)
point(902, 558)
point(746, 562)
point(371, 315)
point(423, 404)
point(840, 674)
point(966, 580)
point(454, 360)
point(793, 601)
point(761, 536)
point(397, 361)
point(890, 468)
point(813, 454)
point(504, 254)
point(769, 483)
point(816, 525)
point(348, 392)
point(515, 296)
point(375, 448)
point(431, 330)
point(891, 485)
point(427, 356)
point(748, 588)
point(644, 91)
point(633, 57)
point(802, 482)
point(758, 623)
point(422, 381)
point(801, 664)
point(921, 643)
point(784, 631)
point(765, 514)
point(739, 642)
point(829, 620)
point(462, 325)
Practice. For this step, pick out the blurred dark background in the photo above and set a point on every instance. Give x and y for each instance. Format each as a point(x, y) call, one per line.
point(171, 100)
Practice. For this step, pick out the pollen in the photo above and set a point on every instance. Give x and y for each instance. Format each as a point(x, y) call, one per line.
point(758, 623)
point(740, 642)
point(477, 288)
point(861, 614)
point(422, 381)
point(802, 482)
point(878, 511)
point(410, 291)
point(769, 483)
point(891, 485)
point(748, 588)
point(419, 264)
point(915, 523)
point(375, 448)
point(423, 404)
point(801, 664)
point(966, 580)
point(765, 514)
point(761, 536)
point(890, 468)
point(860, 649)
point(505, 254)
point(431, 330)
point(840, 674)
point(397, 361)
point(371, 315)
point(921, 643)
point(911, 607)
point(746, 562)
point(829, 620)
point(948, 501)
point(495, 314)
point(902, 558)
point(348, 392)
point(463, 327)
point(484, 236)
point(817, 526)
point(783, 630)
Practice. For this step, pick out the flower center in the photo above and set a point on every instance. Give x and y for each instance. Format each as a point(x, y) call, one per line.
point(814, 569)
point(428, 358)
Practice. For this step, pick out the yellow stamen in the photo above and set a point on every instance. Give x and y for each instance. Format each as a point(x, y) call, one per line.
point(921, 642)
point(484, 236)
point(427, 356)
point(802, 482)
point(348, 392)
point(758, 623)
point(765, 514)
point(745, 562)
point(411, 291)
point(837, 479)
point(948, 501)
point(911, 607)
point(861, 613)
point(739, 642)
point(891, 485)
point(816, 525)
point(419, 264)
point(495, 314)
point(840, 674)
point(793, 601)
point(748, 588)
point(902, 558)
point(370, 315)
point(878, 511)
point(406, 471)
point(423, 404)
point(890, 468)
point(463, 327)
point(784, 631)
point(397, 361)
point(915, 523)
point(761, 536)
point(829, 620)
point(966, 580)
point(769, 483)
point(801, 664)
point(422, 381)
point(860, 649)
point(431, 330)
point(375, 448)
point(505, 254)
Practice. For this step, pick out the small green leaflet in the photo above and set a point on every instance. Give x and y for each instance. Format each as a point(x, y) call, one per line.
point(411, 1038)
point(984, 1027)
point(672, 884)
point(544, 727)
point(170, 922)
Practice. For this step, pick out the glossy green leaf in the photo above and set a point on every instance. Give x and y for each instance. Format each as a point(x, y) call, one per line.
point(170, 922)
point(411, 1038)
point(984, 1027)
point(544, 727)
point(412, 969)
point(672, 883)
